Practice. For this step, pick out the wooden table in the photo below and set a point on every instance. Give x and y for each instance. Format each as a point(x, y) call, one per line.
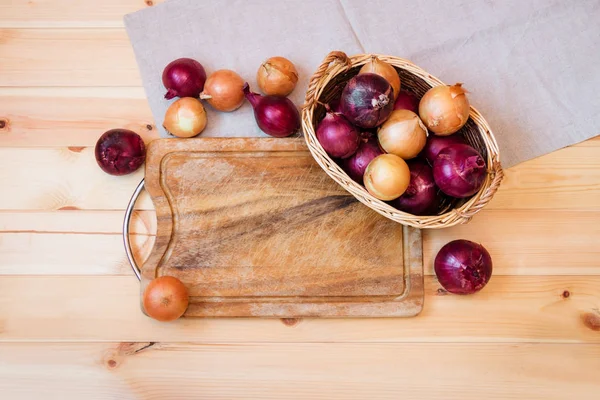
point(70, 323)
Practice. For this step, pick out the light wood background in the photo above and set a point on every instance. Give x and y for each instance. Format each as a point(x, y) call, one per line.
point(70, 324)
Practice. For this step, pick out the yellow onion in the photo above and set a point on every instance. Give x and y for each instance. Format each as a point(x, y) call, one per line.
point(223, 90)
point(277, 76)
point(185, 118)
point(381, 68)
point(444, 109)
point(387, 177)
point(402, 134)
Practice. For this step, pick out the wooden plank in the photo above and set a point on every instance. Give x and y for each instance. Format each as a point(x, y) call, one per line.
point(106, 308)
point(68, 13)
point(73, 117)
point(528, 242)
point(129, 371)
point(69, 253)
point(51, 178)
point(62, 178)
point(521, 242)
point(76, 222)
point(67, 57)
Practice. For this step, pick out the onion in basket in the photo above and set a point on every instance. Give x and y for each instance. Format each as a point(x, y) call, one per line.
point(444, 109)
point(403, 134)
point(387, 177)
point(421, 197)
point(463, 267)
point(338, 137)
point(459, 170)
point(381, 68)
point(367, 100)
point(356, 165)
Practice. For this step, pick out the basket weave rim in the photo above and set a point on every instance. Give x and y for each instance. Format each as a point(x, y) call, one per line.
point(338, 62)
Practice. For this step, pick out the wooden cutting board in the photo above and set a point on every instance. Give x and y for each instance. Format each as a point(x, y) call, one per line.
point(254, 227)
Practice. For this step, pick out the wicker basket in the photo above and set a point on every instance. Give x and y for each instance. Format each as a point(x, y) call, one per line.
point(329, 80)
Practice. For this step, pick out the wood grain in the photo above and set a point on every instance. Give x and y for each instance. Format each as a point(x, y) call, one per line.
point(68, 13)
point(253, 227)
point(67, 57)
point(106, 308)
point(71, 117)
point(135, 371)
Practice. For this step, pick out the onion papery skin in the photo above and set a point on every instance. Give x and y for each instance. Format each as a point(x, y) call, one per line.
point(459, 171)
point(275, 115)
point(463, 267)
point(120, 152)
point(183, 77)
point(445, 109)
point(338, 137)
point(356, 165)
point(367, 100)
point(421, 196)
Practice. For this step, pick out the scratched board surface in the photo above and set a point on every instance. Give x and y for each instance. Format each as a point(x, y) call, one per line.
point(254, 227)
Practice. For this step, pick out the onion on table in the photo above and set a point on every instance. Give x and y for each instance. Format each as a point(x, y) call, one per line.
point(387, 177)
point(356, 164)
point(185, 118)
point(463, 267)
point(183, 77)
point(277, 76)
point(385, 70)
point(367, 100)
point(402, 134)
point(223, 90)
point(459, 170)
point(445, 109)
point(165, 298)
point(120, 151)
point(275, 115)
point(421, 196)
point(337, 135)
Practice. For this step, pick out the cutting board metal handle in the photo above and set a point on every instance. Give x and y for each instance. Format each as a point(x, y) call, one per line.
point(126, 221)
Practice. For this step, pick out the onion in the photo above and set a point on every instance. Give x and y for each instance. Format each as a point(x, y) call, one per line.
point(366, 100)
point(275, 115)
point(445, 109)
point(463, 267)
point(277, 76)
point(356, 165)
point(184, 77)
point(403, 134)
point(120, 151)
point(165, 298)
point(435, 144)
point(407, 101)
point(338, 137)
point(421, 196)
point(224, 90)
point(185, 118)
point(381, 68)
point(387, 177)
point(459, 170)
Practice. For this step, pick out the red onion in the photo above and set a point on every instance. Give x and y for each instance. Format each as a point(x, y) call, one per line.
point(459, 170)
point(184, 77)
point(435, 144)
point(338, 137)
point(407, 101)
point(356, 165)
point(120, 151)
point(367, 100)
point(463, 267)
point(421, 197)
point(275, 115)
